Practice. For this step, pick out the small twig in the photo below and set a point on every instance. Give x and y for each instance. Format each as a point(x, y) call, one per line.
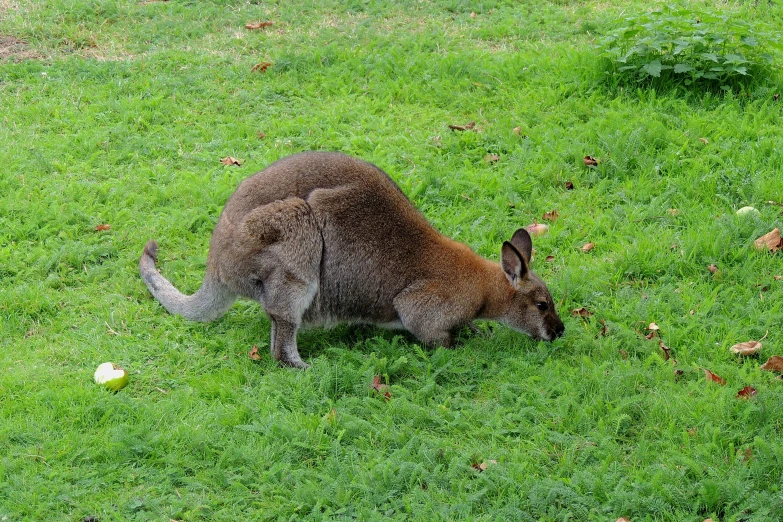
point(412, 163)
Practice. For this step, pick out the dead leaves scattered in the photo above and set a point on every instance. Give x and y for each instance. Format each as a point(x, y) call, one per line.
point(581, 312)
point(261, 67)
point(746, 348)
point(253, 354)
point(551, 215)
point(773, 364)
point(747, 392)
point(652, 330)
point(588, 247)
point(381, 388)
point(770, 241)
point(461, 128)
point(491, 158)
point(483, 465)
point(590, 161)
point(258, 25)
point(102, 228)
point(713, 377)
point(229, 161)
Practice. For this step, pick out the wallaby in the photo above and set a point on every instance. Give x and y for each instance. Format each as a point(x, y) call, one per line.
point(320, 238)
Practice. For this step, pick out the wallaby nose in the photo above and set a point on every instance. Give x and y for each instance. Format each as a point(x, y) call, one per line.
point(559, 330)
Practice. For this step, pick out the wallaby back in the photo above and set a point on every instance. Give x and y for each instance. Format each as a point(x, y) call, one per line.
point(320, 238)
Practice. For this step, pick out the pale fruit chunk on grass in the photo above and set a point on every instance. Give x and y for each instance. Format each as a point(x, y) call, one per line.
point(111, 376)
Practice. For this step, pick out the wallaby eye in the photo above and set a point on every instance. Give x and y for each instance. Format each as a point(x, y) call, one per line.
point(542, 305)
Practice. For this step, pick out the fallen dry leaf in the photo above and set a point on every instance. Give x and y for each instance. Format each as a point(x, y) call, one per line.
point(622, 519)
point(672, 211)
point(773, 364)
point(569, 185)
point(483, 465)
point(101, 228)
point(713, 269)
point(747, 392)
point(537, 229)
point(381, 388)
point(491, 158)
point(261, 67)
point(746, 348)
point(228, 160)
point(666, 350)
point(258, 25)
point(603, 331)
point(704, 140)
point(551, 215)
point(776, 96)
point(623, 354)
point(770, 241)
point(253, 354)
point(652, 329)
point(517, 131)
point(549, 259)
point(777, 277)
point(714, 377)
point(469, 126)
point(581, 312)
point(591, 161)
point(261, 135)
point(588, 247)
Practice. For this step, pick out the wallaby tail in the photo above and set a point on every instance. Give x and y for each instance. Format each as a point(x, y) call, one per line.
point(210, 302)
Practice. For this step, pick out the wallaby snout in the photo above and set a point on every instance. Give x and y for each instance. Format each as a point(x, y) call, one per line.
point(319, 238)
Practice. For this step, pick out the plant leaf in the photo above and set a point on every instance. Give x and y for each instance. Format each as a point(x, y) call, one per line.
point(747, 392)
point(773, 364)
point(770, 241)
point(653, 68)
point(682, 68)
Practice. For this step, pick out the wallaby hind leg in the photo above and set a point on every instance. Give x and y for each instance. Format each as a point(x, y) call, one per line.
point(285, 268)
point(427, 314)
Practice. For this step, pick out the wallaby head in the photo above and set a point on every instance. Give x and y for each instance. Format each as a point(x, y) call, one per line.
point(530, 308)
point(321, 238)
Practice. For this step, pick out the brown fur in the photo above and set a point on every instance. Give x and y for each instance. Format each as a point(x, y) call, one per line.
point(319, 238)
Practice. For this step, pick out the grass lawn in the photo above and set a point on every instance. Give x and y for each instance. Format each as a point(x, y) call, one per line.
point(118, 112)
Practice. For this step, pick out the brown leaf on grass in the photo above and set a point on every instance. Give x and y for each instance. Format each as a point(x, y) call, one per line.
point(491, 158)
point(261, 135)
point(103, 227)
point(258, 25)
point(604, 329)
point(666, 350)
point(469, 126)
point(569, 185)
point(746, 348)
point(381, 388)
point(777, 277)
point(747, 455)
point(261, 67)
point(549, 259)
point(770, 241)
point(704, 140)
point(747, 392)
point(517, 131)
point(552, 215)
point(713, 377)
point(622, 519)
point(713, 269)
point(228, 160)
point(590, 161)
point(776, 96)
point(581, 312)
point(483, 465)
point(253, 354)
point(773, 364)
point(623, 354)
point(652, 330)
point(672, 211)
point(588, 247)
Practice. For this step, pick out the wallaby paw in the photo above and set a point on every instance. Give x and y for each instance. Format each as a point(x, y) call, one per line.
point(151, 249)
point(298, 363)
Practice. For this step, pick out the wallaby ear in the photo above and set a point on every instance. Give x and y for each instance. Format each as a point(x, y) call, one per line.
point(514, 265)
point(523, 243)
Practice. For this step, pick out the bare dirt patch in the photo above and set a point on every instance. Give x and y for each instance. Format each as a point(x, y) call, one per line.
point(12, 48)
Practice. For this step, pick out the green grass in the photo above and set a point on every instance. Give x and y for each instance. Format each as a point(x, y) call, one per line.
point(119, 112)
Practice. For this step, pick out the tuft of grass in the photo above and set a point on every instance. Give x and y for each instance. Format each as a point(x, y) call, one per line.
point(128, 129)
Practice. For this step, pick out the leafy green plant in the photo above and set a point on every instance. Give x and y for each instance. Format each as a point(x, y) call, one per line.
point(676, 45)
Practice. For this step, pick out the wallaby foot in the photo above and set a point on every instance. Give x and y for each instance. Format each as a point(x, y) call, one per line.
point(283, 344)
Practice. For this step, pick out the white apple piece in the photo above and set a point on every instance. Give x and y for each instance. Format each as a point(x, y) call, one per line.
point(111, 376)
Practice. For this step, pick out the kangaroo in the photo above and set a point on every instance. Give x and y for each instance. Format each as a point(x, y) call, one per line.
point(319, 238)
